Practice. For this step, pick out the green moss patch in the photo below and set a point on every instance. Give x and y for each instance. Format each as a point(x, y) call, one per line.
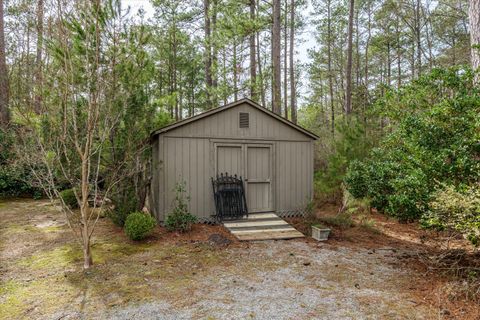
point(69, 255)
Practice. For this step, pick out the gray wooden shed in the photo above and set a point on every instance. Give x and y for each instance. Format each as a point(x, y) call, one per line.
point(272, 154)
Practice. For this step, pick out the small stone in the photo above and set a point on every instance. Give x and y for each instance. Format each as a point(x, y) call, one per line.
point(219, 240)
point(445, 312)
point(357, 286)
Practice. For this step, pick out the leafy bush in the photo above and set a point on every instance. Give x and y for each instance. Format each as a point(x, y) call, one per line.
point(180, 219)
point(16, 179)
point(139, 225)
point(68, 197)
point(456, 209)
point(434, 139)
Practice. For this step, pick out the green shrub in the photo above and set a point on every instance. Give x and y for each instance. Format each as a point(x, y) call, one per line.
point(139, 225)
point(16, 178)
point(456, 209)
point(433, 139)
point(356, 179)
point(180, 219)
point(68, 197)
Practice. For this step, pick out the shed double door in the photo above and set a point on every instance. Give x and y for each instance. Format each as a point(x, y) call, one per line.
point(253, 162)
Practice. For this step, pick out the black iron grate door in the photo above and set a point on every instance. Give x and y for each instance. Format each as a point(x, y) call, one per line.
point(229, 197)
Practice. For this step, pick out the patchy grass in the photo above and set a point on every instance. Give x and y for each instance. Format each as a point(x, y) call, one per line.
point(47, 275)
point(122, 273)
point(10, 229)
point(368, 224)
point(41, 274)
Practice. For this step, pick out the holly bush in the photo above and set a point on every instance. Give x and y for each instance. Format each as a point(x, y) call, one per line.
point(433, 139)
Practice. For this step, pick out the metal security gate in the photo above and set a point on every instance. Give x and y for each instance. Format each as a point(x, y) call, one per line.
point(229, 197)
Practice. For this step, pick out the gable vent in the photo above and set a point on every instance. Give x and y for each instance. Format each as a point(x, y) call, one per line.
point(244, 120)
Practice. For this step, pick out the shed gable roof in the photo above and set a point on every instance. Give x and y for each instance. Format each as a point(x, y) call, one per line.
point(230, 106)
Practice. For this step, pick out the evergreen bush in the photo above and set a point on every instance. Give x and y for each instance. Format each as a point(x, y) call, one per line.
point(68, 197)
point(125, 201)
point(139, 225)
point(16, 179)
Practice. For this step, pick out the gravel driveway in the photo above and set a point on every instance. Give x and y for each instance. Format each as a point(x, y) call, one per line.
point(294, 279)
point(187, 277)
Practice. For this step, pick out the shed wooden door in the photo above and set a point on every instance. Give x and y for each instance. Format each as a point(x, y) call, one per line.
point(253, 162)
point(229, 158)
point(258, 177)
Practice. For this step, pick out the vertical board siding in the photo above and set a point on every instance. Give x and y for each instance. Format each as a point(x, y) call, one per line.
point(161, 178)
point(294, 175)
point(188, 160)
point(226, 125)
point(188, 154)
point(229, 160)
point(153, 198)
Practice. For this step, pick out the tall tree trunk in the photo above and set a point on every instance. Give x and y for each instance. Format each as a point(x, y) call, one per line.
point(348, 91)
point(329, 65)
point(474, 18)
point(293, 93)
point(285, 66)
point(367, 45)
point(253, 64)
point(38, 63)
point(399, 53)
point(260, 73)
point(389, 64)
point(208, 53)
point(170, 75)
point(412, 58)
point(235, 76)
point(276, 44)
point(214, 54)
point(4, 89)
point(224, 75)
point(418, 37)
point(357, 49)
point(175, 91)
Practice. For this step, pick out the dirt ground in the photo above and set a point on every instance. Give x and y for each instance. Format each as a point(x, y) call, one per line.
point(361, 273)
